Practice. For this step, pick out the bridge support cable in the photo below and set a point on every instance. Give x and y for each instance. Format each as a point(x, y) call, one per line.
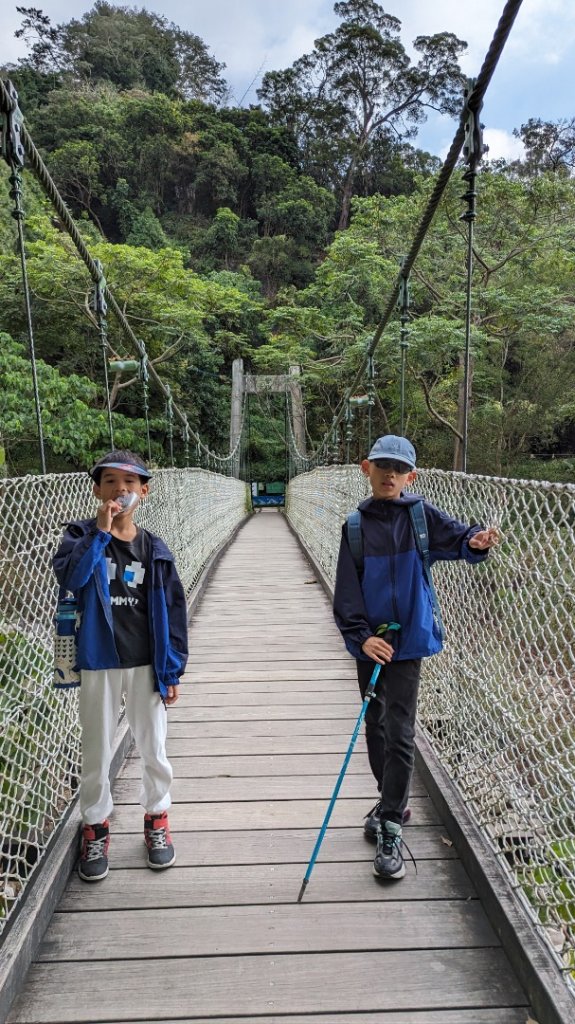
point(403, 302)
point(24, 147)
point(473, 150)
point(13, 153)
point(473, 104)
point(100, 309)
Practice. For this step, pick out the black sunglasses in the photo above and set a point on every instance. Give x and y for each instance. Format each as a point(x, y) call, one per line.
point(398, 467)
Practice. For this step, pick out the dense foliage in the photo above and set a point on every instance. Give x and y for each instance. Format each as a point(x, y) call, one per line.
point(274, 234)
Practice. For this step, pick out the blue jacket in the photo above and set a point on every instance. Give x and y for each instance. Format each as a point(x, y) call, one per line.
point(393, 587)
point(80, 566)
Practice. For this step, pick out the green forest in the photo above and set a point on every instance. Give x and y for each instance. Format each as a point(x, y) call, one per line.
point(274, 233)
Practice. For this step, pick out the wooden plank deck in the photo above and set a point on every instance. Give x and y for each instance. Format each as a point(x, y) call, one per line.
point(257, 740)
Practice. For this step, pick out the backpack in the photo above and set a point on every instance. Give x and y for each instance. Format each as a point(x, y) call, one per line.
point(421, 536)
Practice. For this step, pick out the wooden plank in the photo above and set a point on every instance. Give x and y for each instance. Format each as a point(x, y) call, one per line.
point(481, 1015)
point(234, 729)
point(252, 745)
point(271, 671)
point(257, 787)
point(223, 765)
point(190, 697)
point(224, 688)
point(276, 846)
point(264, 884)
point(242, 656)
point(237, 931)
point(299, 983)
point(270, 713)
point(196, 817)
point(279, 644)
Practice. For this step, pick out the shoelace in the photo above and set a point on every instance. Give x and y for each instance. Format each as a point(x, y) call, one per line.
point(157, 838)
point(95, 848)
point(388, 841)
point(376, 807)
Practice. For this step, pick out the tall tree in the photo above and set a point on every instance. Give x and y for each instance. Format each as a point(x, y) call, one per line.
point(549, 145)
point(359, 84)
point(128, 47)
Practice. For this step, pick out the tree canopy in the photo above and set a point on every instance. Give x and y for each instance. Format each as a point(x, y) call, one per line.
point(274, 234)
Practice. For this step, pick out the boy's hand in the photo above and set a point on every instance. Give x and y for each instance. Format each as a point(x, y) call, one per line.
point(485, 539)
point(106, 513)
point(172, 694)
point(378, 650)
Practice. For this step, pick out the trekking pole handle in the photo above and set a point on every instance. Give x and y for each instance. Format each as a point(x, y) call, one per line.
point(389, 630)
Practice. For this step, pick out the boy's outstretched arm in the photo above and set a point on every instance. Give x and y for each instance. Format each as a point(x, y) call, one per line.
point(485, 539)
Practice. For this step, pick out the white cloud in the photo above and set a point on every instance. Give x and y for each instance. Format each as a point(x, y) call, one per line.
point(502, 145)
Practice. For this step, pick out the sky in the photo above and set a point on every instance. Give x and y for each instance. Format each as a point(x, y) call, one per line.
point(534, 78)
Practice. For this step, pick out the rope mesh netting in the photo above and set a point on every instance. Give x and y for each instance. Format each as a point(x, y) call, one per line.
point(194, 511)
point(498, 704)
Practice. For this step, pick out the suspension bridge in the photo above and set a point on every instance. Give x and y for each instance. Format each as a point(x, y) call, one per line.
point(484, 931)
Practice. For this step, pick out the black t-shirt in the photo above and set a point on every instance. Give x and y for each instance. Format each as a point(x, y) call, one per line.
point(129, 580)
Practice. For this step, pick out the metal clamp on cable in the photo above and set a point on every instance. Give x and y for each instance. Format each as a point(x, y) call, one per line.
point(12, 121)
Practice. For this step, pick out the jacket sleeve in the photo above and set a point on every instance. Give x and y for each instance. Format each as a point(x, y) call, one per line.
point(77, 556)
point(348, 605)
point(177, 610)
point(449, 538)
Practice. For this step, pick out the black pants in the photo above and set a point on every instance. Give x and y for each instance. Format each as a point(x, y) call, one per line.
point(390, 731)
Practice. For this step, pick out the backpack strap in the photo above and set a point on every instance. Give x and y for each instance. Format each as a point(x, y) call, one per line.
point(355, 539)
point(419, 527)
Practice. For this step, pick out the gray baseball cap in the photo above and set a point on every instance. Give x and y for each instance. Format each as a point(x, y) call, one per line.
point(398, 449)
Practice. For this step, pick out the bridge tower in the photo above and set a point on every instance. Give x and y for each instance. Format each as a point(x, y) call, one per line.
point(254, 384)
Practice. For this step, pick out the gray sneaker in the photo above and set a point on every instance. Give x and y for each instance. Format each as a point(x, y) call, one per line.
point(93, 864)
point(389, 861)
point(161, 853)
point(372, 821)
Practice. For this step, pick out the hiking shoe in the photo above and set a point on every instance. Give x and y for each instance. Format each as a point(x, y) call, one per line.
point(93, 864)
point(372, 821)
point(389, 861)
point(161, 853)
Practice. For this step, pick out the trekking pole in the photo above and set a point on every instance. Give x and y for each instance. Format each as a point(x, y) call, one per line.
point(388, 631)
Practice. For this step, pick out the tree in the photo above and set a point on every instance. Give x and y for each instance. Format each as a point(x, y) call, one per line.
point(523, 319)
point(73, 425)
point(549, 145)
point(359, 83)
point(126, 47)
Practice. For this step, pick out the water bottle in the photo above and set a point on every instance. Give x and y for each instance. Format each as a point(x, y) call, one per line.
point(65, 653)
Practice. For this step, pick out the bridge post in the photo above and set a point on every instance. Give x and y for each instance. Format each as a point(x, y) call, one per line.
point(236, 409)
point(298, 416)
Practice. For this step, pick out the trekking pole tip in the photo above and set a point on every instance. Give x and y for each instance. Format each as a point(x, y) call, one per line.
point(302, 890)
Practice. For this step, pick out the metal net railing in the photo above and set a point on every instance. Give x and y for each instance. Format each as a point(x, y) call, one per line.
point(194, 511)
point(498, 704)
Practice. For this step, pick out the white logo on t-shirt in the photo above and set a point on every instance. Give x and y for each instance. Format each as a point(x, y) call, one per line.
point(134, 574)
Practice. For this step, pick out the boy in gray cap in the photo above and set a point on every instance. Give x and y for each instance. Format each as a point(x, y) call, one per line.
point(390, 585)
point(132, 638)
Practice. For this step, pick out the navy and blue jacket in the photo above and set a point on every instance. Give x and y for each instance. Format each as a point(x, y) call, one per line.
point(393, 586)
point(80, 566)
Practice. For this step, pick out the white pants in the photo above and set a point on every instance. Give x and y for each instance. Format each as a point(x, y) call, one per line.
point(100, 699)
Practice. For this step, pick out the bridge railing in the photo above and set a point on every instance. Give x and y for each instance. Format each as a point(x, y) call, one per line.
point(194, 511)
point(498, 704)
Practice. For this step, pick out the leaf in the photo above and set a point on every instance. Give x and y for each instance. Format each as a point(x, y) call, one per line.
point(446, 841)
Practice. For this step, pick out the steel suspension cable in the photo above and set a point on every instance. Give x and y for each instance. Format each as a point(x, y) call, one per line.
point(16, 195)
